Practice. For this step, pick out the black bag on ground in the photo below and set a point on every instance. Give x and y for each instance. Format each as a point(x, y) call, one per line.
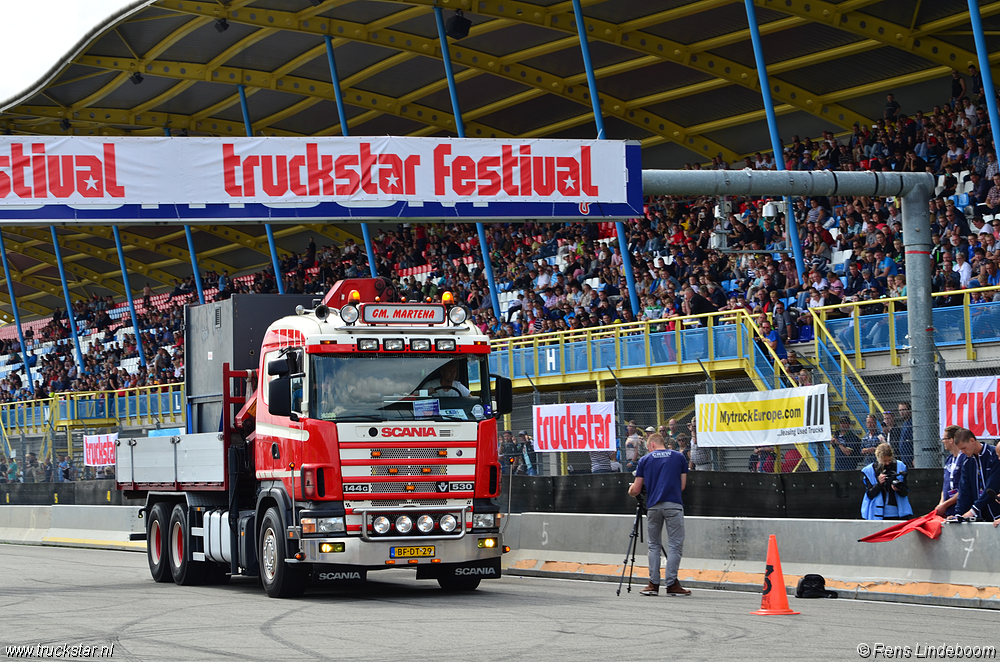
point(813, 586)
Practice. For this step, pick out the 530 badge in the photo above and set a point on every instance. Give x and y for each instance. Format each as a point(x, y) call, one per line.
point(357, 488)
point(460, 487)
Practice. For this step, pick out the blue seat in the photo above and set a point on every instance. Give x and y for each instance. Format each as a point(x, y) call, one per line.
point(961, 200)
point(839, 268)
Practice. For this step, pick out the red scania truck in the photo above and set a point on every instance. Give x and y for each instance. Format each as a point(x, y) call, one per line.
point(360, 435)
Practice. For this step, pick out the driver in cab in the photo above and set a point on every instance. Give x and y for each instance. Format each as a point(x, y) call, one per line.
point(446, 385)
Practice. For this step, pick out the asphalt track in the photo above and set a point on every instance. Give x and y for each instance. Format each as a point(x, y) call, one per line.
point(72, 596)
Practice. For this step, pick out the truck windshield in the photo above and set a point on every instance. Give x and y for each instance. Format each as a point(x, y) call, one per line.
point(394, 387)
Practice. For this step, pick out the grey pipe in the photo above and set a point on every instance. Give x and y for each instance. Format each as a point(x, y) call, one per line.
point(915, 189)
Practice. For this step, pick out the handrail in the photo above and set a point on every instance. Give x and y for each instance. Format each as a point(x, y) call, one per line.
point(608, 331)
point(820, 327)
point(774, 355)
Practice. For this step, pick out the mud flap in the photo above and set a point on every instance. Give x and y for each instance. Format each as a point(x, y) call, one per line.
point(329, 575)
point(484, 569)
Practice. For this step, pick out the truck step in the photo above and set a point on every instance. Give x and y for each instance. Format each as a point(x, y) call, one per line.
point(197, 556)
point(198, 531)
point(137, 536)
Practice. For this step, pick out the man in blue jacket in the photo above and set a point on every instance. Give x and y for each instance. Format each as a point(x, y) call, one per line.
point(980, 475)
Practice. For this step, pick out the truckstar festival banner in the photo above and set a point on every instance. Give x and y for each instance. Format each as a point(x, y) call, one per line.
point(767, 418)
point(586, 426)
point(99, 449)
point(970, 402)
point(88, 171)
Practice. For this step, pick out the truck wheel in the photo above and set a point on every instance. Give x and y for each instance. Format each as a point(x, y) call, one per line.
point(456, 584)
point(280, 579)
point(184, 570)
point(156, 542)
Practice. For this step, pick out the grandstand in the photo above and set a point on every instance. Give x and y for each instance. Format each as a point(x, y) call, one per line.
point(677, 76)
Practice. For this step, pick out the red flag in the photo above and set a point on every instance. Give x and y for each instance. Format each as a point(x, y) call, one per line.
point(929, 525)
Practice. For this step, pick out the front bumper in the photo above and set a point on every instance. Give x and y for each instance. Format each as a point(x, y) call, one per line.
point(375, 553)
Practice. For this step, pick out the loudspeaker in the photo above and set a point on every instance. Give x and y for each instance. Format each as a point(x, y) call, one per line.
point(457, 26)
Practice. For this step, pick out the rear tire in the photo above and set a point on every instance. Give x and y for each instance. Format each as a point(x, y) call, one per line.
point(457, 584)
point(156, 542)
point(280, 579)
point(184, 570)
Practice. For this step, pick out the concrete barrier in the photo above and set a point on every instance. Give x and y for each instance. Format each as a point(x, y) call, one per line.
point(100, 527)
point(957, 569)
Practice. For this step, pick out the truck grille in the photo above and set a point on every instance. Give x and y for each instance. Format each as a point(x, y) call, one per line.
point(439, 470)
point(394, 503)
point(393, 488)
point(410, 453)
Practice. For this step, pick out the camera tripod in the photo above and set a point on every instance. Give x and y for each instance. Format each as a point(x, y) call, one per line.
point(634, 539)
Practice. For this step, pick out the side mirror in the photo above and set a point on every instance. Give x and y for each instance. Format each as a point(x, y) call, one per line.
point(278, 367)
point(504, 393)
point(279, 395)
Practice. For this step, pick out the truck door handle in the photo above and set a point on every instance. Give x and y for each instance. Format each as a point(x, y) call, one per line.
point(275, 453)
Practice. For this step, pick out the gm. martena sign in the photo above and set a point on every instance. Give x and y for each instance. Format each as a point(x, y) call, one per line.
point(390, 313)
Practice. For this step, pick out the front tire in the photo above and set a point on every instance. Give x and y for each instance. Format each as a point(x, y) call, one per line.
point(280, 579)
point(459, 584)
point(184, 570)
point(156, 542)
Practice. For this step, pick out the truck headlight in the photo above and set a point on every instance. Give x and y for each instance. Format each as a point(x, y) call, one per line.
point(420, 345)
point(445, 345)
point(381, 524)
point(368, 344)
point(484, 520)
point(425, 524)
point(448, 523)
point(458, 315)
point(404, 524)
point(330, 525)
point(393, 344)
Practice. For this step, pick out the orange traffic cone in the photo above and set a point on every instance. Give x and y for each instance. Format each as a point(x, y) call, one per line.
point(775, 599)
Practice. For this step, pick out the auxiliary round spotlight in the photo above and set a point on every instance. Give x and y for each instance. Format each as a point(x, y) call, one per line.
point(425, 524)
point(349, 314)
point(458, 315)
point(381, 524)
point(404, 524)
point(448, 523)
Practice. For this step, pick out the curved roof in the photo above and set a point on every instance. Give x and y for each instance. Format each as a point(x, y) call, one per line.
point(677, 75)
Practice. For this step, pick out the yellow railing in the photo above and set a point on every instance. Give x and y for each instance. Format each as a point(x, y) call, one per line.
point(128, 407)
point(846, 367)
point(897, 304)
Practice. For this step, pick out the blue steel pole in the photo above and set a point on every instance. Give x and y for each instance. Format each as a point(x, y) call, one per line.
point(984, 70)
point(338, 95)
point(772, 127)
point(595, 100)
point(484, 249)
point(128, 296)
point(17, 316)
point(69, 303)
point(267, 228)
point(194, 264)
point(166, 131)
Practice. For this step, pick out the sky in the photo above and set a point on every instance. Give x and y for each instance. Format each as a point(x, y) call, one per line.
point(35, 34)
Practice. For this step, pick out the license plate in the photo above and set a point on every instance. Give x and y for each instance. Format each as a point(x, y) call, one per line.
point(411, 552)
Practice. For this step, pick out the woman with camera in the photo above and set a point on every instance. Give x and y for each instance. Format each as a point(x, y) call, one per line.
point(885, 487)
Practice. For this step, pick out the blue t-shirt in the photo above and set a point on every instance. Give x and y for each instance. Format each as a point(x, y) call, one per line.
point(779, 349)
point(888, 262)
point(952, 479)
point(661, 473)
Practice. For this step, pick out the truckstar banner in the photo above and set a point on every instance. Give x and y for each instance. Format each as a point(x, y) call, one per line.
point(970, 402)
point(99, 449)
point(88, 171)
point(585, 426)
point(767, 418)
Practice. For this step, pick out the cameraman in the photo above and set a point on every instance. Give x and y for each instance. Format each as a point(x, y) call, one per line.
point(885, 487)
point(664, 474)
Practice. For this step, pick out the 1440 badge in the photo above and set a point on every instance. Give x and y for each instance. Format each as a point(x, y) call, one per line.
point(444, 486)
